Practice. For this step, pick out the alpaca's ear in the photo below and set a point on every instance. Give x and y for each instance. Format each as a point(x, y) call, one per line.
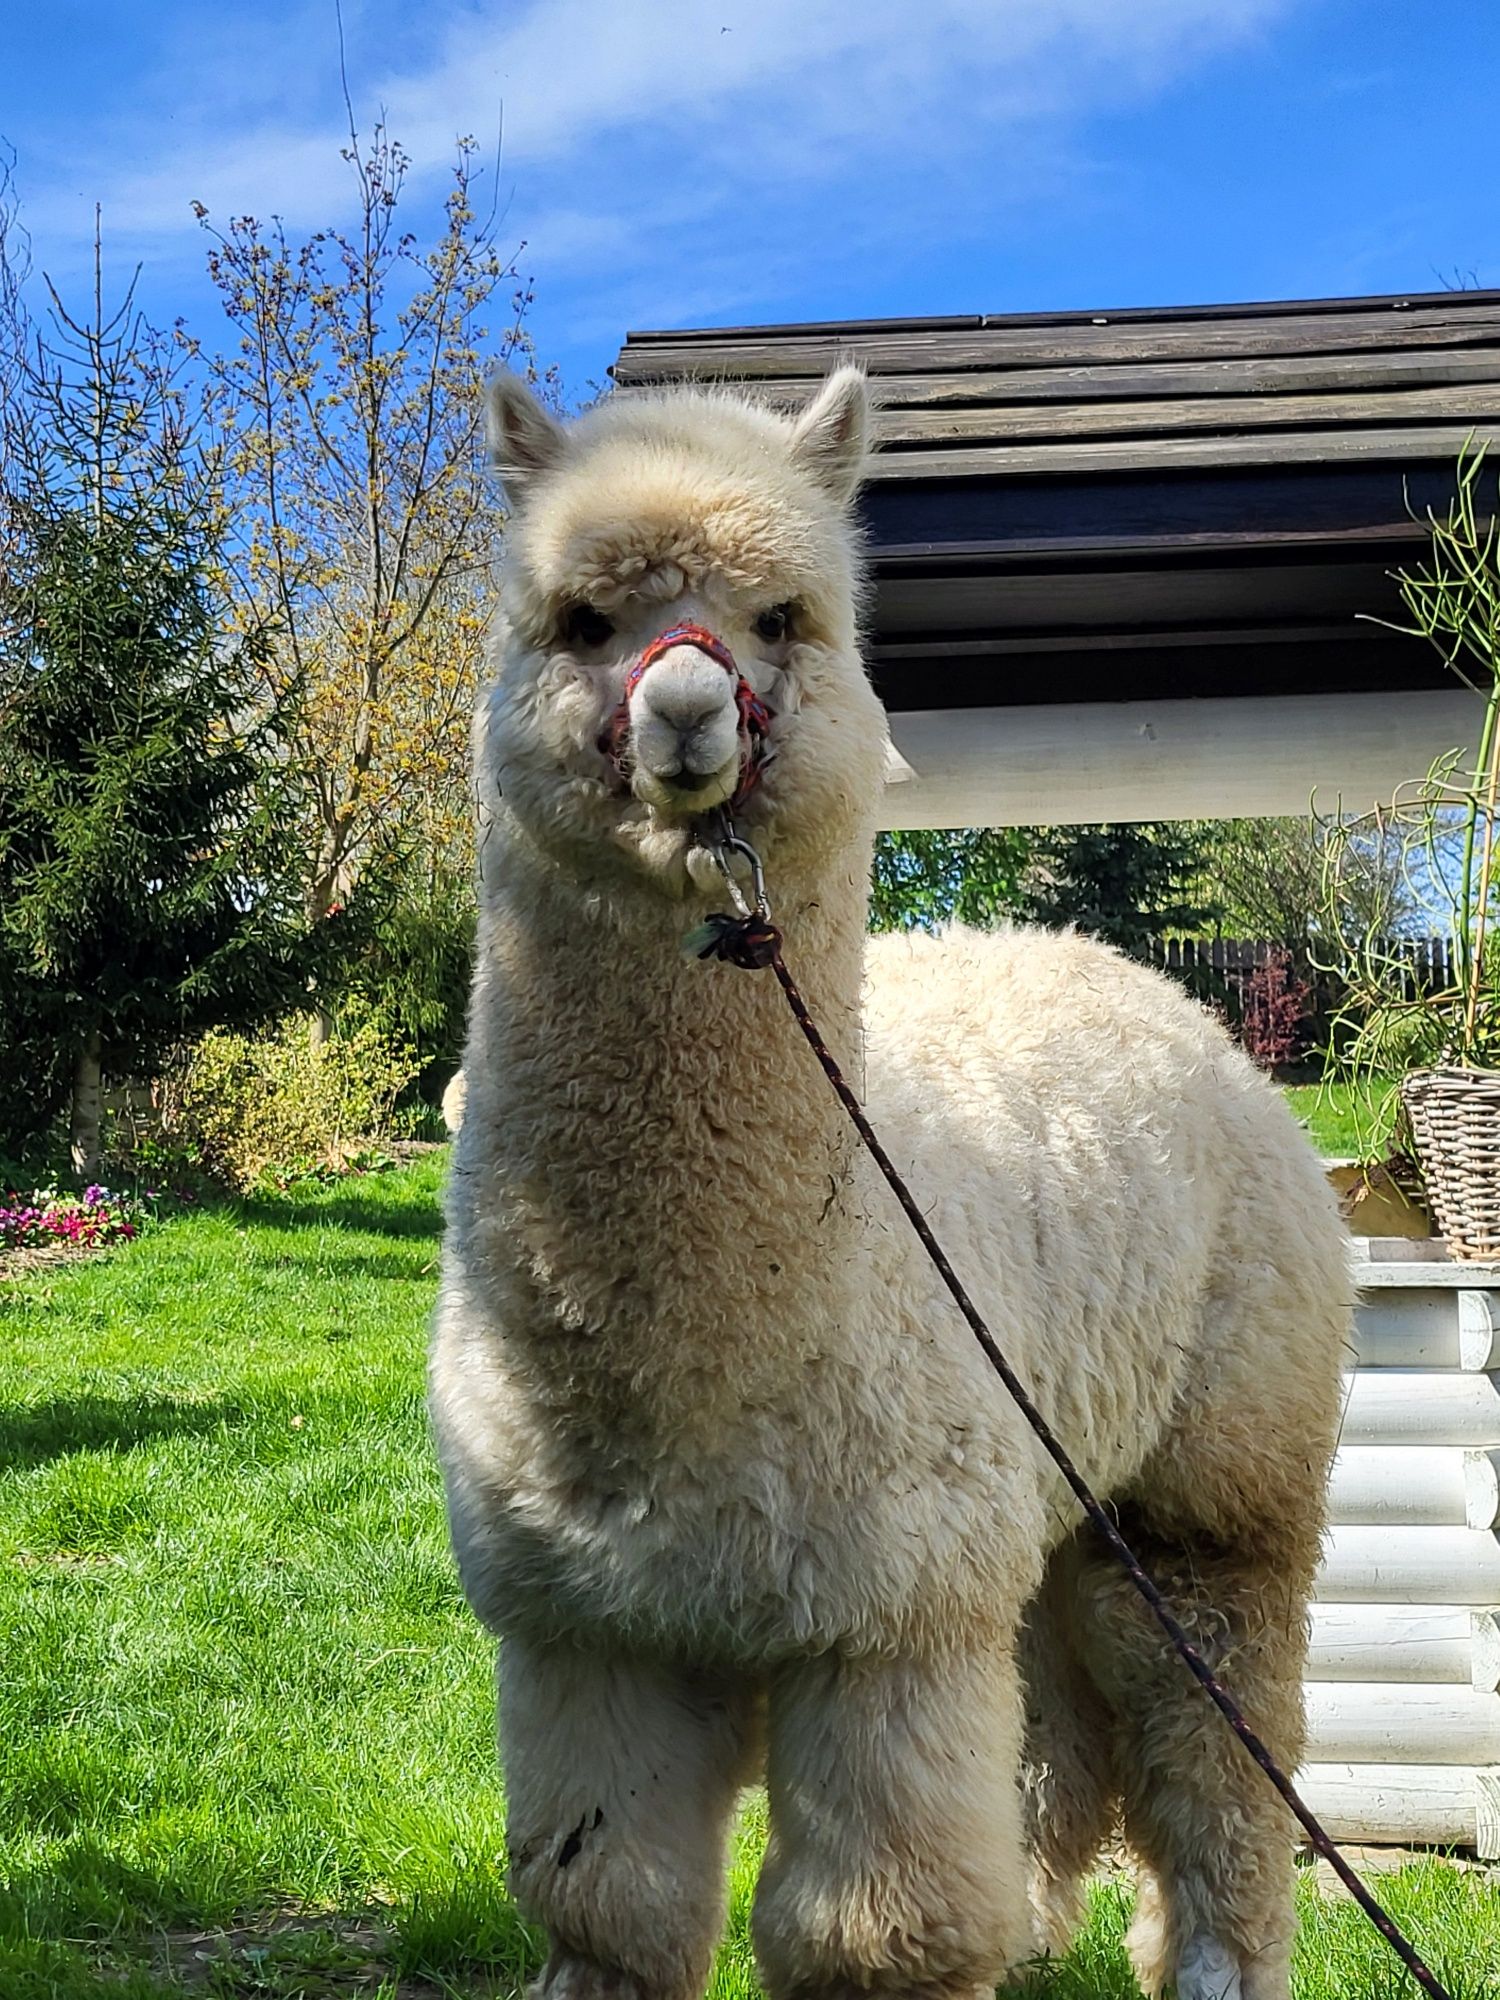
point(524, 439)
point(832, 433)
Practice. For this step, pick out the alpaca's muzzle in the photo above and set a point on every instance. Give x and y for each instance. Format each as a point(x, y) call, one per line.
point(689, 734)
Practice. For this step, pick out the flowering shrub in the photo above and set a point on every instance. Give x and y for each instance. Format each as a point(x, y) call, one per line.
point(45, 1218)
point(276, 1108)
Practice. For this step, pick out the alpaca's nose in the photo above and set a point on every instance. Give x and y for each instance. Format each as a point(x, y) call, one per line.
point(684, 732)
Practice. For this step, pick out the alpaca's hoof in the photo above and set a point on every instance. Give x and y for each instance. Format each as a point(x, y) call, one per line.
point(1207, 1970)
point(568, 1975)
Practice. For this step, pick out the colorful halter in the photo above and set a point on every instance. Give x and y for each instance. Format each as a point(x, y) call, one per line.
point(755, 716)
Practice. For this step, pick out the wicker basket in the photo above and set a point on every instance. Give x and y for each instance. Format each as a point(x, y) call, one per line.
point(1454, 1116)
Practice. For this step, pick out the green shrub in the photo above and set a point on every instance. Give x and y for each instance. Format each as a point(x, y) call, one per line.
point(411, 979)
point(284, 1104)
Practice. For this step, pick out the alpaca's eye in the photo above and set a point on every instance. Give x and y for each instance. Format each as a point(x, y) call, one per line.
point(775, 623)
point(584, 626)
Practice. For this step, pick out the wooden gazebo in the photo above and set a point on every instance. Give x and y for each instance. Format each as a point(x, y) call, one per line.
point(1125, 562)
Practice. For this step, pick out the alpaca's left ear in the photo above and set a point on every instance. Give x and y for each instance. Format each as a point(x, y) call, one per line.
point(831, 435)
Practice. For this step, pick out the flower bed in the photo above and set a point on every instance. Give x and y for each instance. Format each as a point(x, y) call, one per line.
point(47, 1219)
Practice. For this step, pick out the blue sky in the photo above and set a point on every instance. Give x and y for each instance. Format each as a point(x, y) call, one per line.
point(690, 162)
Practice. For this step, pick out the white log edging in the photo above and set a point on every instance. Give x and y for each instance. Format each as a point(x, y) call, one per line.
point(1403, 1671)
point(1425, 1644)
point(1428, 1327)
point(1479, 1330)
point(1363, 1565)
point(1362, 1722)
point(1414, 1486)
point(1415, 1265)
point(1410, 1805)
point(1484, 1666)
point(1482, 1489)
point(1407, 1406)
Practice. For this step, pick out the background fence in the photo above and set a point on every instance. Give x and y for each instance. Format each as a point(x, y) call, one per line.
point(1222, 971)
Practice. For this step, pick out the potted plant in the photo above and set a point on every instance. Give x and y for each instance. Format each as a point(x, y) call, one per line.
point(1428, 1022)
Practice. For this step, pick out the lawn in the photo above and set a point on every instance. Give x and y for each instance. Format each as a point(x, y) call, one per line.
point(245, 1721)
point(1344, 1119)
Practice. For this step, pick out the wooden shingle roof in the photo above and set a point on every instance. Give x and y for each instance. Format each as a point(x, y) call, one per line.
point(1296, 382)
point(1151, 505)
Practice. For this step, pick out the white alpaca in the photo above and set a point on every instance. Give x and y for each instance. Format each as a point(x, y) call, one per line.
point(725, 1469)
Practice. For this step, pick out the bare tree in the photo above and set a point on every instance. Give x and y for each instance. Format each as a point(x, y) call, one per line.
point(349, 413)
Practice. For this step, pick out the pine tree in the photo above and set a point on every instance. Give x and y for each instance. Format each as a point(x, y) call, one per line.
point(148, 887)
point(1124, 883)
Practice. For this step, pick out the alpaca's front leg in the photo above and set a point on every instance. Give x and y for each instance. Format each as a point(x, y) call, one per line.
point(620, 1777)
point(895, 1863)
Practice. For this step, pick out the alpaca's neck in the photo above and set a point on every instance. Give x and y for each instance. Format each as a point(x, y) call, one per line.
point(676, 1154)
point(611, 995)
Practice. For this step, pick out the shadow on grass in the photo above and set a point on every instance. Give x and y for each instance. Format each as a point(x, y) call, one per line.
point(365, 1213)
point(92, 1922)
point(36, 1433)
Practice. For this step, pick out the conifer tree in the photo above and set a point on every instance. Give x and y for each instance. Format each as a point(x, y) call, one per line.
point(147, 888)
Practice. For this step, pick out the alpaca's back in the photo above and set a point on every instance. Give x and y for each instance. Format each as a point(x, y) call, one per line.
point(1108, 1169)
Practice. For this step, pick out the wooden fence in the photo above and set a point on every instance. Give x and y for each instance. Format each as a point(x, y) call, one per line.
point(1220, 969)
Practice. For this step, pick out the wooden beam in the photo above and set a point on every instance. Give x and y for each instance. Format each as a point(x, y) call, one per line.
point(1373, 303)
point(1363, 1565)
point(1151, 381)
point(770, 355)
point(1375, 1722)
point(1380, 543)
point(1393, 446)
point(1405, 1486)
point(1442, 1326)
point(1477, 402)
point(1390, 1406)
point(1406, 1805)
point(1431, 1644)
point(992, 611)
point(1161, 667)
point(1176, 509)
point(1066, 762)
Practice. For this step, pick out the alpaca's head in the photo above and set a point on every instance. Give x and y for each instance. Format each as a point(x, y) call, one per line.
point(690, 507)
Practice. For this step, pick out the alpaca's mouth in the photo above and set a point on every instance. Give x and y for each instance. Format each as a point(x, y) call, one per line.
point(687, 793)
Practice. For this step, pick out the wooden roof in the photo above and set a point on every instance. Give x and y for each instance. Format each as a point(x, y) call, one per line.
point(1331, 381)
point(1144, 503)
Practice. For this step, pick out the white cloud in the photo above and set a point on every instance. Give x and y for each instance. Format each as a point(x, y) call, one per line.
point(665, 159)
point(768, 86)
point(776, 72)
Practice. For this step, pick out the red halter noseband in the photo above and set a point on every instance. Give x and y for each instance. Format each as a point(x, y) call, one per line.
point(755, 716)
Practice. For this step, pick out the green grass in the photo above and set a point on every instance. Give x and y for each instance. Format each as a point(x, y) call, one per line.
point(245, 1722)
point(1343, 1119)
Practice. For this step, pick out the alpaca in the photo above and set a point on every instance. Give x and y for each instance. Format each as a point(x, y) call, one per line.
point(454, 1094)
point(725, 1470)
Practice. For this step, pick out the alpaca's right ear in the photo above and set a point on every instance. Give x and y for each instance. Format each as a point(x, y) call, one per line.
point(524, 439)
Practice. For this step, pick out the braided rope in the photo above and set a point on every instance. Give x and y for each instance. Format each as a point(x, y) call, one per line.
point(753, 942)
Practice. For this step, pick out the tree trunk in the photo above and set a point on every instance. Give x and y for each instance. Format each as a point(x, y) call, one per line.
point(87, 1109)
point(329, 886)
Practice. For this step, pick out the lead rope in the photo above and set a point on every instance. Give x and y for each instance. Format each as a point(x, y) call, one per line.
point(751, 941)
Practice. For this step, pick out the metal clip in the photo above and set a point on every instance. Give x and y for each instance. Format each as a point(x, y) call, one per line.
point(722, 842)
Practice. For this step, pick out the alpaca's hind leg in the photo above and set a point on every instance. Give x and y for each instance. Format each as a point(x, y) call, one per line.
point(895, 1861)
point(620, 1778)
point(1216, 1919)
point(1069, 1792)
